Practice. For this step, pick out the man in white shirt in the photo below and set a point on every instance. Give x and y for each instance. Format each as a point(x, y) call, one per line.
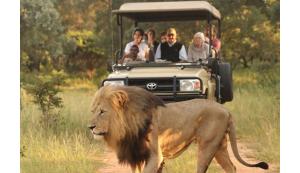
point(171, 50)
point(137, 40)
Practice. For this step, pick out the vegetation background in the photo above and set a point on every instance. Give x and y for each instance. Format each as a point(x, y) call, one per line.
point(65, 46)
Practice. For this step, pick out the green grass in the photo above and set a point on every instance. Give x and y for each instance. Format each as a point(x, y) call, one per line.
point(255, 109)
point(187, 162)
point(71, 149)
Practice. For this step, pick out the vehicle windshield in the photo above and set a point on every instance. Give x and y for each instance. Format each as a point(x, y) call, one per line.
point(183, 21)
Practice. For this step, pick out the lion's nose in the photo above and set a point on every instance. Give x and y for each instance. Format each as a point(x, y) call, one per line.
point(91, 127)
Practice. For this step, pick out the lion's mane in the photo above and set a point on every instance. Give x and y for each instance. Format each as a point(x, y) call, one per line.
point(128, 130)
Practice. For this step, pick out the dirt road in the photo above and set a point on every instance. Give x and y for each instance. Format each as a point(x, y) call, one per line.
point(111, 163)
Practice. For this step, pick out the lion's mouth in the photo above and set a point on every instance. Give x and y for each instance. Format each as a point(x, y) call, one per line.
point(99, 133)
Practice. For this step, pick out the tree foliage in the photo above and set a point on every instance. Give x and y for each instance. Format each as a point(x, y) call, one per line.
point(42, 35)
point(80, 36)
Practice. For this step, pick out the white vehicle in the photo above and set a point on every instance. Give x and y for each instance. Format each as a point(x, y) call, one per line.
point(211, 79)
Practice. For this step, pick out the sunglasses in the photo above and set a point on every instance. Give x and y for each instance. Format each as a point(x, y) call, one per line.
point(169, 35)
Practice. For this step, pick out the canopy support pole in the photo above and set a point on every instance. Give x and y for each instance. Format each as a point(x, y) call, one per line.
point(120, 24)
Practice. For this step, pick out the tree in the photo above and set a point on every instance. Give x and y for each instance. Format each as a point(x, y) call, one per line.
point(42, 34)
point(248, 32)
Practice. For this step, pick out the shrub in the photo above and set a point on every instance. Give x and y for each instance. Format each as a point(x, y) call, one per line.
point(45, 91)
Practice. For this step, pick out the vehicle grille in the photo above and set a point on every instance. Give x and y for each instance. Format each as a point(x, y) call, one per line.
point(163, 84)
point(166, 88)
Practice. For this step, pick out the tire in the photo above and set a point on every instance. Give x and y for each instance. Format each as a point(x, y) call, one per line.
point(225, 73)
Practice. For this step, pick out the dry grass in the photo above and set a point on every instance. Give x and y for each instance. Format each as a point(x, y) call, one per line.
point(72, 149)
point(69, 150)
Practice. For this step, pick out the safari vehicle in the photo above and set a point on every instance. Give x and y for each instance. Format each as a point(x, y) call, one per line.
point(211, 79)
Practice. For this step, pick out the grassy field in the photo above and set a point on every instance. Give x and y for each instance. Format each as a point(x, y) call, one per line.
point(68, 149)
point(256, 113)
point(71, 149)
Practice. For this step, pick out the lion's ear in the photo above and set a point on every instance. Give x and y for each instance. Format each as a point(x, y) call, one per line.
point(119, 98)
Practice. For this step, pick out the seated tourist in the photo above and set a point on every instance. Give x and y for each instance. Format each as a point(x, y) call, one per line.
point(198, 50)
point(131, 56)
point(152, 43)
point(171, 50)
point(215, 42)
point(143, 53)
point(163, 37)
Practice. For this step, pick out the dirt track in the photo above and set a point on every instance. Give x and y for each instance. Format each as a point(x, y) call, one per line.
point(112, 166)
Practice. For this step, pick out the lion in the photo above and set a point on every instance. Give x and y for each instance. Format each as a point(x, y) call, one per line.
point(144, 131)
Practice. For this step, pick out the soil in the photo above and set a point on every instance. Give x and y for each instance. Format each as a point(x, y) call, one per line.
point(111, 163)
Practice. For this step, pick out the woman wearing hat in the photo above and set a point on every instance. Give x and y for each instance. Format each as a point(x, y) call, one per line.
point(198, 50)
point(137, 40)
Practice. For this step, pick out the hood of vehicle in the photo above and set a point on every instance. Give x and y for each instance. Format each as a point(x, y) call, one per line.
point(140, 72)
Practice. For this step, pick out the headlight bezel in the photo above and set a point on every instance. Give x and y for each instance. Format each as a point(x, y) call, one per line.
point(115, 82)
point(190, 85)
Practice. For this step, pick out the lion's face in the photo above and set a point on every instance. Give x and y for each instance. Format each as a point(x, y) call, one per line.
point(100, 120)
point(105, 107)
point(121, 111)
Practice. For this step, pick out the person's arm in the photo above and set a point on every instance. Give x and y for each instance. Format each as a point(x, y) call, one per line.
point(182, 53)
point(206, 50)
point(158, 52)
point(127, 49)
point(190, 56)
point(121, 61)
point(147, 49)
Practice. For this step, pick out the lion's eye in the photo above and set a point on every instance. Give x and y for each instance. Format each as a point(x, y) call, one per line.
point(101, 112)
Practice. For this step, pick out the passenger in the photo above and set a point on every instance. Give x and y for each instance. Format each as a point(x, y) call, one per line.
point(131, 56)
point(137, 40)
point(171, 50)
point(163, 37)
point(198, 50)
point(216, 43)
point(152, 43)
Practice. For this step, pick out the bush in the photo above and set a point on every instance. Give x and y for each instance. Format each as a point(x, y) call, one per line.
point(45, 94)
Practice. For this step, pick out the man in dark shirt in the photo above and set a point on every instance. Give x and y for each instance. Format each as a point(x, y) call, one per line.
point(171, 50)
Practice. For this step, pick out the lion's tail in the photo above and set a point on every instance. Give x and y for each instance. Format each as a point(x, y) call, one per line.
point(232, 138)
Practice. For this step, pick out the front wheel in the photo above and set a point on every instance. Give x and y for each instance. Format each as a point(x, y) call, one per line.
point(225, 73)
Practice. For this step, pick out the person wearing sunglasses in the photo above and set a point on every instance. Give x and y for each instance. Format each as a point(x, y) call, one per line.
point(171, 50)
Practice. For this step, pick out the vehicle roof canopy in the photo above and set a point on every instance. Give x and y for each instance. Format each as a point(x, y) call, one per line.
point(168, 11)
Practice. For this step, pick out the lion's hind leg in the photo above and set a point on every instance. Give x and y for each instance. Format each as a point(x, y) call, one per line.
point(223, 158)
point(206, 152)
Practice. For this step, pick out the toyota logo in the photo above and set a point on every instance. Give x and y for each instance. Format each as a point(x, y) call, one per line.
point(151, 86)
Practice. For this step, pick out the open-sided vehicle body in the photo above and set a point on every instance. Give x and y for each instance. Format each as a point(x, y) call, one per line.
point(209, 79)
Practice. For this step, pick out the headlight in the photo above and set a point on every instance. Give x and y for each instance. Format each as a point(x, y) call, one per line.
point(190, 85)
point(113, 82)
